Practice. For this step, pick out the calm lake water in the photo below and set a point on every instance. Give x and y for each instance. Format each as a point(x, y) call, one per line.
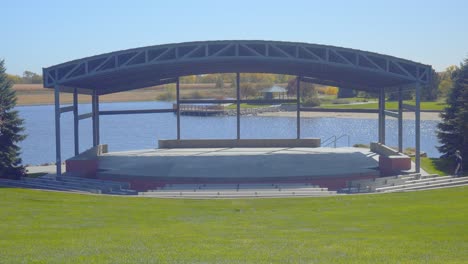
point(129, 132)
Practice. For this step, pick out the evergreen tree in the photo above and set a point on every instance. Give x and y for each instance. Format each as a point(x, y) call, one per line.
point(10, 130)
point(453, 130)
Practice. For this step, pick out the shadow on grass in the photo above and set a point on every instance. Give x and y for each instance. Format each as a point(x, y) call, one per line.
point(444, 165)
point(440, 166)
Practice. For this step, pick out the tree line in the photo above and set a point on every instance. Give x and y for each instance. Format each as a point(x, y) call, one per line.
point(440, 87)
point(28, 77)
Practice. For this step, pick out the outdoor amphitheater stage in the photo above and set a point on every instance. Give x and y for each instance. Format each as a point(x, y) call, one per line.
point(151, 168)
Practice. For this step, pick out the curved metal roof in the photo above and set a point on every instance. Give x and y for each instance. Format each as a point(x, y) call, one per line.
point(147, 66)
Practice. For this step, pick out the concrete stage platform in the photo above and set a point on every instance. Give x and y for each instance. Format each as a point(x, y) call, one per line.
point(327, 167)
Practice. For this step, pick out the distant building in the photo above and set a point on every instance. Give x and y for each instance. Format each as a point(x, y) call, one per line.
point(274, 92)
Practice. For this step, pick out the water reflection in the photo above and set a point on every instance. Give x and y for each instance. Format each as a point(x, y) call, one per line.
point(126, 132)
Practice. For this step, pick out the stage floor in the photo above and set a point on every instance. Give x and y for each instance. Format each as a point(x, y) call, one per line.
point(242, 164)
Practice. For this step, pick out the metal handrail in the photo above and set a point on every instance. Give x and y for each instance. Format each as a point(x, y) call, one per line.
point(326, 143)
point(342, 136)
point(335, 139)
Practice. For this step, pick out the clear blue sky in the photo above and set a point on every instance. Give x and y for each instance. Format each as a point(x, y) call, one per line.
point(38, 34)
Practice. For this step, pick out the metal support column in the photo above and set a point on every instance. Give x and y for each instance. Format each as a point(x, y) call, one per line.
point(400, 119)
point(76, 122)
point(238, 103)
point(178, 106)
point(417, 127)
point(58, 155)
point(379, 126)
point(98, 130)
point(94, 108)
point(298, 103)
point(382, 116)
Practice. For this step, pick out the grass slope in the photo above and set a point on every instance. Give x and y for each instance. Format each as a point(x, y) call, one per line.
point(439, 166)
point(417, 227)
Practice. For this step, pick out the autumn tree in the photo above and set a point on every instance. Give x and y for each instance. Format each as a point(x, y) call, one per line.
point(430, 92)
point(446, 82)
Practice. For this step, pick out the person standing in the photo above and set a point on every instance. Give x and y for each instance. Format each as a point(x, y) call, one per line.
point(458, 163)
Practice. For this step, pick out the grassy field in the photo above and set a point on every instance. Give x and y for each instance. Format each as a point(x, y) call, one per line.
point(439, 106)
point(438, 166)
point(416, 227)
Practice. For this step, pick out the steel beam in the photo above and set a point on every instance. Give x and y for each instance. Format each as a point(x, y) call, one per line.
point(408, 107)
point(84, 116)
point(66, 109)
point(58, 155)
point(76, 122)
point(418, 128)
point(142, 111)
point(298, 104)
point(391, 113)
point(400, 119)
point(238, 103)
point(178, 107)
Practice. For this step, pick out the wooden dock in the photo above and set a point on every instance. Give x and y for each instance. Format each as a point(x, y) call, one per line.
point(200, 110)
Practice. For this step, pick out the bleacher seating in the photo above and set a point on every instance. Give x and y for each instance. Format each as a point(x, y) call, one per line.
point(237, 190)
point(72, 184)
point(404, 183)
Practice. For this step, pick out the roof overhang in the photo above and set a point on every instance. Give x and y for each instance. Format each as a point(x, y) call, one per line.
point(148, 66)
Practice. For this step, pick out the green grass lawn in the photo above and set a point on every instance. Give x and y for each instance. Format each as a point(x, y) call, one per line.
point(439, 106)
point(52, 227)
point(438, 166)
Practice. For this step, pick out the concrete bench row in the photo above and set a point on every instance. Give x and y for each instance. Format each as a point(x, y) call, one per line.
point(312, 189)
point(123, 185)
point(69, 185)
point(227, 194)
point(369, 185)
point(46, 186)
point(424, 184)
point(88, 186)
point(195, 187)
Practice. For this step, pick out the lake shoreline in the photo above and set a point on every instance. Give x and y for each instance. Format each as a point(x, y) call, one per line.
point(281, 113)
point(435, 116)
